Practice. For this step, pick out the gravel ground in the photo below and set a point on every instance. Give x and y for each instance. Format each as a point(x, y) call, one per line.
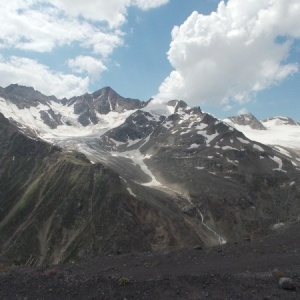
point(236, 271)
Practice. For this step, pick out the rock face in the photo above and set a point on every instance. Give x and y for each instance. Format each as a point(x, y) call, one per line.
point(25, 97)
point(52, 112)
point(248, 119)
point(122, 175)
point(57, 206)
point(103, 101)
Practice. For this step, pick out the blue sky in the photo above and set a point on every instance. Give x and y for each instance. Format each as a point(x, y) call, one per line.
point(227, 57)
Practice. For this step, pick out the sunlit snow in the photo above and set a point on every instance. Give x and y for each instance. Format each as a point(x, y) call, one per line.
point(32, 118)
point(277, 133)
point(279, 162)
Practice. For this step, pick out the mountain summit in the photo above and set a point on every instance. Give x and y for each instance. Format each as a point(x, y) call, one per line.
point(99, 173)
point(247, 119)
point(281, 133)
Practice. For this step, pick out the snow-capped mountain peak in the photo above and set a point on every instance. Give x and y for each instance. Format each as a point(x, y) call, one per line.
point(79, 116)
point(279, 121)
point(246, 119)
point(277, 131)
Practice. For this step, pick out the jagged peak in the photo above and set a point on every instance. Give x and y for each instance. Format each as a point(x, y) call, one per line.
point(26, 91)
point(17, 87)
point(105, 91)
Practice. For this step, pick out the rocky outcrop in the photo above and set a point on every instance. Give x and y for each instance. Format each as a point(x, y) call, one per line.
point(102, 101)
point(247, 119)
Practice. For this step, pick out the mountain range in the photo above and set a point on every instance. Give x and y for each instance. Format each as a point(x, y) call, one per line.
point(100, 174)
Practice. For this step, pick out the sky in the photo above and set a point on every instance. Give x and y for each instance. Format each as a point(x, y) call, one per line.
point(228, 57)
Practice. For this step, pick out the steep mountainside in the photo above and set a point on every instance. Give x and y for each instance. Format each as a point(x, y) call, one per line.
point(154, 175)
point(78, 116)
point(236, 186)
point(56, 206)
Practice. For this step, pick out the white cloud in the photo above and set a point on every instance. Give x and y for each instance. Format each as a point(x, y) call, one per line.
point(232, 53)
point(87, 64)
point(41, 25)
point(147, 4)
point(43, 28)
point(92, 27)
point(30, 73)
point(113, 11)
point(243, 111)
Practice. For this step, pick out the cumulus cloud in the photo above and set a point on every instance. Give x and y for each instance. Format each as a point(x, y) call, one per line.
point(113, 12)
point(30, 73)
point(87, 64)
point(238, 50)
point(41, 26)
point(147, 4)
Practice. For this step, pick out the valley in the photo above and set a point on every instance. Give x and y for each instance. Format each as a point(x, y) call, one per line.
point(169, 175)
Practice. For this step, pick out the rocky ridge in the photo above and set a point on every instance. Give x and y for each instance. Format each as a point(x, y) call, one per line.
point(177, 175)
point(247, 119)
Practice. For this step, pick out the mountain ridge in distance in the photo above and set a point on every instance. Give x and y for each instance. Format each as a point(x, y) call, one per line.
point(185, 177)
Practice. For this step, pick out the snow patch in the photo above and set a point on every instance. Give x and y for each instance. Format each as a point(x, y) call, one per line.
point(132, 142)
point(229, 148)
point(279, 162)
point(199, 168)
point(208, 137)
point(202, 126)
point(110, 106)
point(193, 146)
point(232, 162)
point(131, 192)
point(168, 124)
point(278, 226)
point(257, 147)
point(243, 141)
point(283, 151)
point(185, 132)
point(117, 143)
